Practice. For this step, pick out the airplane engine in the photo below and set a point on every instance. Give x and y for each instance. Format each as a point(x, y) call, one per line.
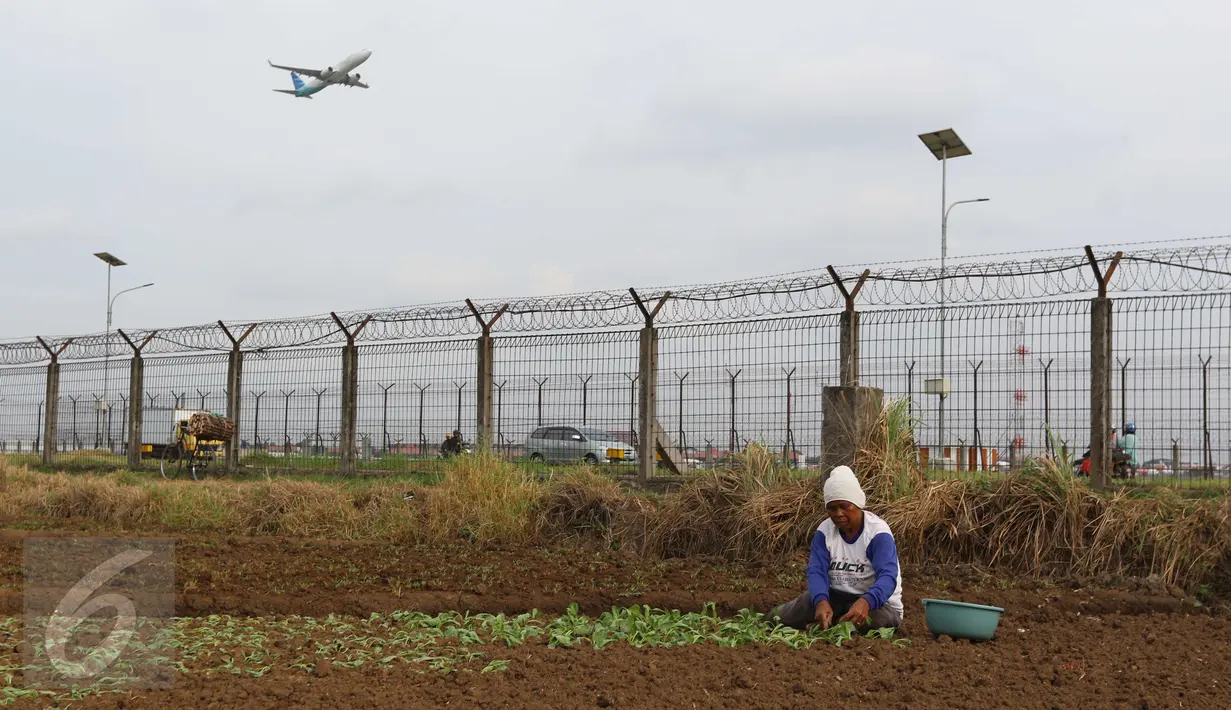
point(328, 71)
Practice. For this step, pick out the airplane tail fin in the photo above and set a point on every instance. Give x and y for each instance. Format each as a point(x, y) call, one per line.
point(296, 81)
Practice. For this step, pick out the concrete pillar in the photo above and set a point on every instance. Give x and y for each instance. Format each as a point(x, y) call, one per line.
point(348, 427)
point(51, 411)
point(51, 405)
point(483, 392)
point(647, 390)
point(849, 348)
point(485, 377)
point(136, 393)
point(849, 417)
point(1100, 391)
point(235, 366)
point(350, 403)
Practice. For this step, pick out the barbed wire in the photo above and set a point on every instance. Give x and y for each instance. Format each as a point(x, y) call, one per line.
point(1158, 271)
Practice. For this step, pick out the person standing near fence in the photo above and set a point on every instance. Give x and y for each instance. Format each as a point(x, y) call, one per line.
point(853, 571)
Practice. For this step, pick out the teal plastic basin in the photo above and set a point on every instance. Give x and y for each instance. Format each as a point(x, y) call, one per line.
point(961, 620)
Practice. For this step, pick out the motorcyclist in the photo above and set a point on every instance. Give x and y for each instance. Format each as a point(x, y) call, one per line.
point(452, 444)
point(1128, 443)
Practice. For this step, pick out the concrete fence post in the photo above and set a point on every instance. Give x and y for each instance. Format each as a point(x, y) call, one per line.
point(52, 408)
point(350, 393)
point(484, 376)
point(647, 389)
point(848, 349)
point(136, 394)
point(1100, 373)
point(235, 366)
point(849, 412)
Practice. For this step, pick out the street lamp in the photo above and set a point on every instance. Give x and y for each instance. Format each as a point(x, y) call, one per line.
point(945, 144)
point(112, 261)
point(121, 293)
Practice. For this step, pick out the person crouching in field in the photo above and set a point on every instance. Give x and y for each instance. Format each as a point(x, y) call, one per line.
point(853, 571)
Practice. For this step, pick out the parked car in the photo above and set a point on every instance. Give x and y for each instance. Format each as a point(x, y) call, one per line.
point(566, 444)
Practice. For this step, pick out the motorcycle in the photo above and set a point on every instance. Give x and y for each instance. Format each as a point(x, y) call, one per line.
point(1121, 466)
point(449, 454)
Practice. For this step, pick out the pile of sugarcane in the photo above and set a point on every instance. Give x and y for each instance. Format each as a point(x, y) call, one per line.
point(211, 427)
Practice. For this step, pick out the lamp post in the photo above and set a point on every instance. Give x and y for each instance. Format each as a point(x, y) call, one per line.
point(111, 261)
point(945, 144)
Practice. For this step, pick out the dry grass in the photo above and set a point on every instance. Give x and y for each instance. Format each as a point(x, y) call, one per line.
point(1039, 522)
point(482, 497)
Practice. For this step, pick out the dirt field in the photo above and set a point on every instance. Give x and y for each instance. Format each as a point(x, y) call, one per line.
point(1070, 643)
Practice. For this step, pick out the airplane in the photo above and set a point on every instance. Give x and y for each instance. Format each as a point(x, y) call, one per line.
point(338, 74)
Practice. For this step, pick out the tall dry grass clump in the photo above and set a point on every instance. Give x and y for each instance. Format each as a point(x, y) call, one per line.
point(704, 517)
point(579, 504)
point(886, 461)
point(1041, 521)
point(760, 508)
point(482, 498)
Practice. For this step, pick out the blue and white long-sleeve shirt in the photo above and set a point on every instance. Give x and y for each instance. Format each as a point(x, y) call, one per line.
point(866, 565)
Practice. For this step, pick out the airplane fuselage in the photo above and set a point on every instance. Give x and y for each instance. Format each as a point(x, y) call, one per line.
point(335, 74)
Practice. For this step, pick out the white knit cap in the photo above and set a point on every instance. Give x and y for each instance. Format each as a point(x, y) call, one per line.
point(842, 485)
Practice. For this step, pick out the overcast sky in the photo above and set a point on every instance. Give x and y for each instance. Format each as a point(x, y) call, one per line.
point(548, 146)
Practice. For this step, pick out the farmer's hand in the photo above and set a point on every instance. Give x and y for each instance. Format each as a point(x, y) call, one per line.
point(858, 615)
point(824, 614)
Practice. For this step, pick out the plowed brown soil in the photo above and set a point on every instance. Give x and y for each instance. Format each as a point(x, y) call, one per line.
point(1075, 643)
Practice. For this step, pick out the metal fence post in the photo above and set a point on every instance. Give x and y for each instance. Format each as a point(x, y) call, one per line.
point(910, 391)
point(1123, 392)
point(484, 376)
point(1207, 456)
point(499, 439)
point(286, 420)
point(136, 393)
point(51, 411)
point(647, 373)
point(422, 438)
point(460, 388)
point(585, 387)
point(384, 417)
point(679, 417)
point(1100, 372)
point(734, 441)
point(73, 400)
point(632, 407)
point(350, 393)
point(540, 383)
point(256, 420)
point(789, 447)
point(977, 439)
point(1051, 448)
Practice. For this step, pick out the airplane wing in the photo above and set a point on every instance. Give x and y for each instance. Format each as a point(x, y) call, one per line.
point(314, 73)
point(352, 81)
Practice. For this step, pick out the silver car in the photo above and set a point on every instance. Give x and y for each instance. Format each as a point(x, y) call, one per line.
point(566, 444)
